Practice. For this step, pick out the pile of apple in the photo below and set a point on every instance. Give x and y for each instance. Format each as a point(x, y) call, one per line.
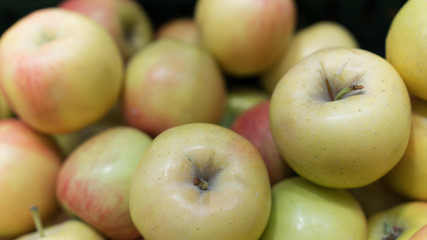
point(112, 129)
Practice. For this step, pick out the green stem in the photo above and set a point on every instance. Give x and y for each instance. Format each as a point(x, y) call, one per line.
point(346, 90)
point(37, 220)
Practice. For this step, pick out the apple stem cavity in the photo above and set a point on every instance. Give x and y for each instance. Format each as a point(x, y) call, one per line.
point(391, 232)
point(202, 184)
point(35, 213)
point(346, 90)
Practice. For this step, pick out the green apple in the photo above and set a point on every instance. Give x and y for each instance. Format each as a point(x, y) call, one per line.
point(399, 222)
point(29, 166)
point(304, 210)
point(409, 176)
point(245, 36)
point(59, 70)
point(305, 41)
point(238, 100)
point(94, 181)
point(341, 117)
point(170, 83)
point(406, 46)
point(125, 20)
point(200, 181)
point(183, 28)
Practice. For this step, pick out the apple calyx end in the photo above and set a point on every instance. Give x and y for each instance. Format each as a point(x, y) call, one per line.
point(348, 89)
point(200, 183)
point(391, 232)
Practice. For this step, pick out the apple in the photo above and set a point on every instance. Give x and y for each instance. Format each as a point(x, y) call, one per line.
point(170, 83)
point(248, 35)
point(200, 181)
point(238, 100)
point(125, 20)
point(376, 197)
point(420, 234)
point(59, 70)
point(307, 40)
point(398, 222)
point(5, 111)
point(68, 230)
point(254, 125)
point(183, 28)
point(94, 181)
point(341, 117)
point(29, 166)
point(303, 210)
point(406, 48)
point(409, 176)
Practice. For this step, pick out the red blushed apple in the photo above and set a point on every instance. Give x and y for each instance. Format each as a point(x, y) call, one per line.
point(125, 20)
point(184, 29)
point(254, 125)
point(29, 166)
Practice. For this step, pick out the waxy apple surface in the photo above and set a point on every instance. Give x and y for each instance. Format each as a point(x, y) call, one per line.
point(344, 143)
point(406, 46)
point(245, 36)
point(200, 181)
point(170, 83)
point(94, 181)
point(59, 70)
point(303, 210)
point(399, 222)
point(409, 176)
point(125, 20)
point(29, 166)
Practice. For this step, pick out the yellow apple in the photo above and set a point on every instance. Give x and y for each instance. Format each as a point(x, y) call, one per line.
point(343, 142)
point(245, 36)
point(320, 35)
point(399, 222)
point(421, 234)
point(406, 46)
point(200, 181)
point(409, 176)
point(59, 70)
point(5, 110)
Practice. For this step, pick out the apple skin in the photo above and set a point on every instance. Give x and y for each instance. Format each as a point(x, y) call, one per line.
point(409, 176)
point(29, 166)
point(248, 35)
point(170, 83)
point(68, 230)
point(184, 29)
point(304, 210)
point(346, 143)
point(94, 181)
point(125, 20)
point(165, 202)
point(305, 41)
point(254, 125)
point(420, 234)
point(409, 217)
point(5, 111)
point(238, 100)
point(52, 64)
point(406, 47)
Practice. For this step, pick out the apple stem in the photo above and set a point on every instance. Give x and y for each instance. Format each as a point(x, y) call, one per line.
point(202, 184)
point(37, 220)
point(346, 90)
